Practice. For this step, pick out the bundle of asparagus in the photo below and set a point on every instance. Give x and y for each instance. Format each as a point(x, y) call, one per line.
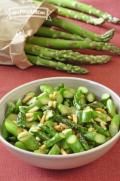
point(52, 46)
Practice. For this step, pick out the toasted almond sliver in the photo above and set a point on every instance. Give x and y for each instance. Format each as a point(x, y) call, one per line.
point(91, 129)
point(63, 152)
point(102, 124)
point(50, 103)
point(34, 109)
point(58, 128)
point(54, 104)
point(101, 110)
point(74, 118)
point(42, 147)
point(42, 120)
point(29, 119)
point(63, 125)
point(29, 115)
point(27, 98)
point(70, 117)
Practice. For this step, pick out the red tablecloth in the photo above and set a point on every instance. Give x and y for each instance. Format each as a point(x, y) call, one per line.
point(107, 167)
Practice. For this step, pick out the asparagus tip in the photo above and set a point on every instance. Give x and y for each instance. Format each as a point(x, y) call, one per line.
point(108, 35)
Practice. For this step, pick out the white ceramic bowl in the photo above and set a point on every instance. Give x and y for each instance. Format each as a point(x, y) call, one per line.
point(60, 161)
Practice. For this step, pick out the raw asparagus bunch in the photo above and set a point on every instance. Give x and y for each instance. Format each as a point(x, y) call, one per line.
point(65, 55)
point(36, 60)
point(83, 7)
point(68, 44)
point(75, 29)
point(45, 47)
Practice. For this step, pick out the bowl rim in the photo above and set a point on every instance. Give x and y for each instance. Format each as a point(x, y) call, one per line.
point(98, 148)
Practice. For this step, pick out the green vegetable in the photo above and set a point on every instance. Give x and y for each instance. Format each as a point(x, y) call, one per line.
point(28, 140)
point(79, 16)
point(111, 107)
point(101, 130)
point(11, 125)
point(17, 105)
point(65, 55)
point(84, 143)
point(46, 88)
point(105, 96)
point(4, 131)
point(20, 145)
point(64, 110)
point(114, 125)
point(74, 144)
point(10, 108)
point(95, 137)
point(58, 118)
point(58, 137)
point(79, 99)
point(75, 29)
point(87, 115)
point(90, 97)
point(55, 150)
point(69, 44)
point(53, 33)
point(43, 98)
point(86, 8)
point(67, 132)
point(36, 60)
point(83, 90)
point(68, 93)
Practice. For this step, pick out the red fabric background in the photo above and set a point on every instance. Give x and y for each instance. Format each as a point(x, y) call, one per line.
point(107, 167)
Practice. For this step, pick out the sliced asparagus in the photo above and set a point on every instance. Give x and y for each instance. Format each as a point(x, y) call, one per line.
point(114, 125)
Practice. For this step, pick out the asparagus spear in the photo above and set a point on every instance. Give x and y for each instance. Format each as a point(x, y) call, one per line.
point(36, 60)
point(60, 119)
point(52, 33)
point(65, 55)
point(85, 8)
point(75, 29)
point(100, 130)
point(79, 16)
point(68, 44)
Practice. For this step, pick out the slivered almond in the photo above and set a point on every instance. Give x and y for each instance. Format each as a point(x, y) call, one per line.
point(63, 152)
point(42, 120)
point(101, 110)
point(74, 118)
